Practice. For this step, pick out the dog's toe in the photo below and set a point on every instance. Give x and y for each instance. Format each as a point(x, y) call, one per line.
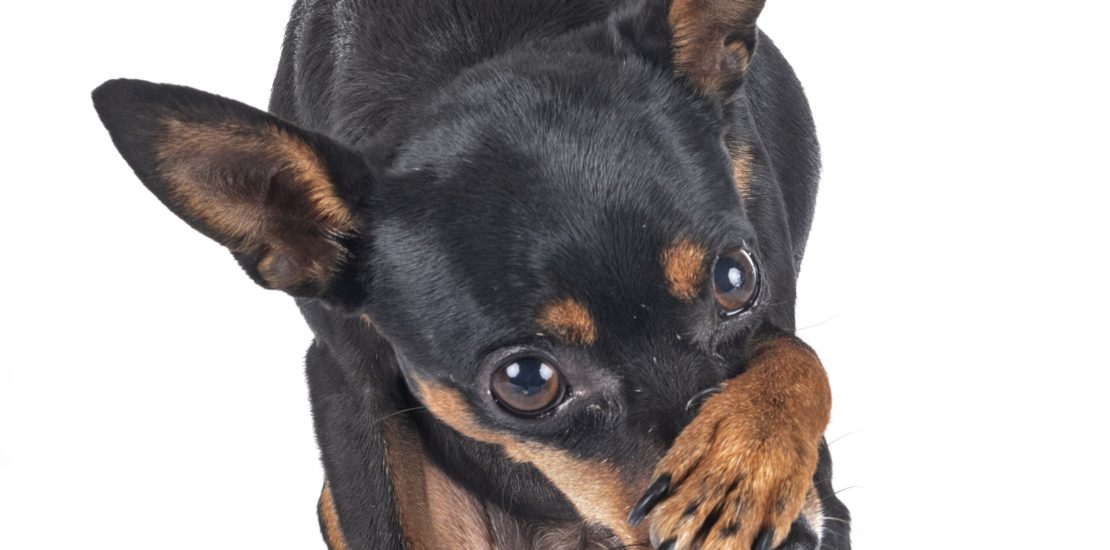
point(721, 487)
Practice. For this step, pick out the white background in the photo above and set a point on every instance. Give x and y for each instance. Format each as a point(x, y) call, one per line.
point(956, 283)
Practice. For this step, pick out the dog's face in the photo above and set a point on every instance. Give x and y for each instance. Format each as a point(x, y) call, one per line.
point(556, 249)
point(570, 273)
point(562, 263)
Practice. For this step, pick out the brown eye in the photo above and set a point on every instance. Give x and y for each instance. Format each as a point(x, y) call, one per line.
point(527, 386)
point(735, 281)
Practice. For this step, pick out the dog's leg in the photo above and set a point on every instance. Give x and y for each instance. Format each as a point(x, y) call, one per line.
point(740, 473)
point(835, 519)
point(382, 492)
point(329, 520)
point(357, 508)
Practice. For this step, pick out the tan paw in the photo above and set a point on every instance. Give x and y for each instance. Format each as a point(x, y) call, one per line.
point(738, 475)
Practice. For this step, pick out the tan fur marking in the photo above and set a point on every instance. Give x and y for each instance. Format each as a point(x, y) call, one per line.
point(262, 191)
point(434, 511)
point(760, 434)
point(459, 520)
point(684, 266)
point(330, 518)
point(405, 468)
point(437, 513)
point(595, 489)
point(570, 320)
point(742, 169)
point(320, 189)
point(701, 31)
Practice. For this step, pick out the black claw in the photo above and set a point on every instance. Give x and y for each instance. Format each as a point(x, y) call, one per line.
point(654, 494)
point(669, 545)
point(696, 401)
point(763, 541)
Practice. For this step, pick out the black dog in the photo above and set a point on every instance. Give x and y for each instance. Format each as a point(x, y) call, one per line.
point(529, 236)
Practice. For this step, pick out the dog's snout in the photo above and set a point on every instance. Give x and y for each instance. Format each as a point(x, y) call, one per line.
point(670, 394)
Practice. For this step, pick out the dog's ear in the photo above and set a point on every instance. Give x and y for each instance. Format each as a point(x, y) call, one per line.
point(707, 42)
point(282, 199)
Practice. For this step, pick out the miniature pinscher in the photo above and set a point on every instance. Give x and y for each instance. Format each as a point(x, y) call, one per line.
point(548, 250)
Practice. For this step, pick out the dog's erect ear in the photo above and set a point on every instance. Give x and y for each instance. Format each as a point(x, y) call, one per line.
point(281, 198)
point(713, 41)
point(708, 42)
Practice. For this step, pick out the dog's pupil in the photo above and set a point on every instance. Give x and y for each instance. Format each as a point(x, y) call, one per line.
point(729, 275)
point(529, 376)
point(527, 386)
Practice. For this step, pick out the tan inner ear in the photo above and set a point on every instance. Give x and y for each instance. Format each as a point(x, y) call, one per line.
point(703, 50)
point(262, 191)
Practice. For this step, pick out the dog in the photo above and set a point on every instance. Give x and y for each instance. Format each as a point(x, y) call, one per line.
point(548, 250)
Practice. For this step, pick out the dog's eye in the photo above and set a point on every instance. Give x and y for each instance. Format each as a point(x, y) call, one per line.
point(527, 386)
point(735, 281)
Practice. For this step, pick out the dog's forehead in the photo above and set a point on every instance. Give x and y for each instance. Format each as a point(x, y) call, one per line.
point(574, 283)
point(528, 153)
point(549, 208)
point(571, 251)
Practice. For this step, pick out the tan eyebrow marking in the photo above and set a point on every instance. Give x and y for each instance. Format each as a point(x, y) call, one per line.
point(684, 268)
point(569, 320)
point(701, 44)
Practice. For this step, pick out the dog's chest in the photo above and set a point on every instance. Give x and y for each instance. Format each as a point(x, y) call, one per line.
point(456, 518)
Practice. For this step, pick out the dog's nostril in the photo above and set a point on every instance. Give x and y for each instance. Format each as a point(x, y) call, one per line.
point(695, 402)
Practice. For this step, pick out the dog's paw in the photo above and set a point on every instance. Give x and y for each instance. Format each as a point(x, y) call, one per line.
point(737, 476)
point(721, 486)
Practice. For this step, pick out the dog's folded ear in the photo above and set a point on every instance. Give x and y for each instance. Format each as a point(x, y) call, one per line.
point(708, 42)
point(282, 199)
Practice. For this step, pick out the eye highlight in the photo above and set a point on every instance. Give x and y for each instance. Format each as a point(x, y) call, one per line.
point(527, 386)
point(735, 281)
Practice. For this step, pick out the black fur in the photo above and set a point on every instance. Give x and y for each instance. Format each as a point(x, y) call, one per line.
point(501, 154)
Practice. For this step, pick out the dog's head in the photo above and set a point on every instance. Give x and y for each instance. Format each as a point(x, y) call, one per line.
point(555, 244)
